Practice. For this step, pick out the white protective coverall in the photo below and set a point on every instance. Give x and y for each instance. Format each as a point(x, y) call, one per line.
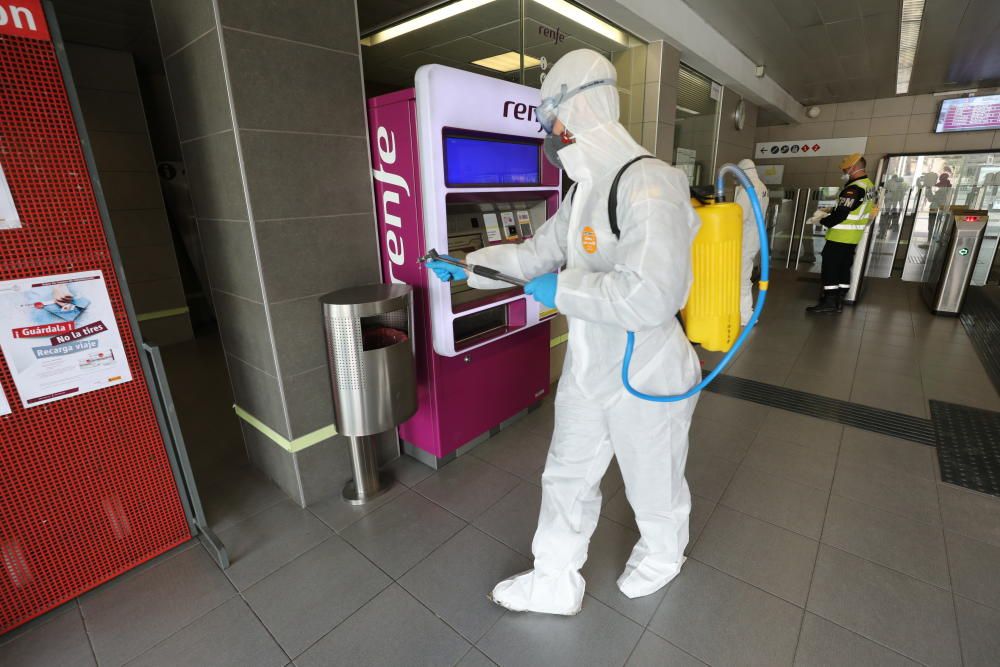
point(751, 237)
point(609, 286)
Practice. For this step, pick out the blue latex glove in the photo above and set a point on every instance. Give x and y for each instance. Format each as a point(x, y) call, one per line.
point(446, 271)
point(543, 288)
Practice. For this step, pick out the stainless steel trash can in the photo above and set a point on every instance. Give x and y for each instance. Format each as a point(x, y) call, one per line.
point(951, 259)
point(372, 373)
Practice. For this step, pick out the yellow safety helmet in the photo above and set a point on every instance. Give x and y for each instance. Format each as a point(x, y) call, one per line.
point(850, 161)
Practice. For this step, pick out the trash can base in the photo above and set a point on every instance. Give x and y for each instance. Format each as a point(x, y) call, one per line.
point(351, 495)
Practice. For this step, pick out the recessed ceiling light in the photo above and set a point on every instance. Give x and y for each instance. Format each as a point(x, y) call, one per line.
point(507, 62)
point(909, 34)
point(423, 20)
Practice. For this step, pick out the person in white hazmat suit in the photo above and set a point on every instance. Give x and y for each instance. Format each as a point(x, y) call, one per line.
point(609, 286)
point(751, 237)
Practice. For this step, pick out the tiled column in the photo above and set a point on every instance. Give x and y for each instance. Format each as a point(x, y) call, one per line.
point(271, 116)
point(662, 65)
point(649, 73)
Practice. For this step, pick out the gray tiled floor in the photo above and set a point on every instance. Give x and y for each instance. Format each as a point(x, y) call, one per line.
point(811, 544)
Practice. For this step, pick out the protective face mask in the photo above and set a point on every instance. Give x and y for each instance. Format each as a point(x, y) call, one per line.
point(551, 146)
point(845, 177)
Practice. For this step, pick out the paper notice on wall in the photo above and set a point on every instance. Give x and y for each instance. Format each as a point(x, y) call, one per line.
point(492, 228)
point(524, 220)
point(60, 337)
point(509, 224)
point(771, 174)
point(9, 219)
point(4, 404)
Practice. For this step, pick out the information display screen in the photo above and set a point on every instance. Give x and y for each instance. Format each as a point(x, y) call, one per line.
point(474, 161)
point(966, 114)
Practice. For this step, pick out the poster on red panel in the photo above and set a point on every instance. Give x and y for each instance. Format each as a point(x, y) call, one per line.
point(9, 218)
point(4, 404)
point(59, 336)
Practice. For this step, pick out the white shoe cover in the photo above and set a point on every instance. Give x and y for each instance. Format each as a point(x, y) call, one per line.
point(637, 582)
point(559, 593)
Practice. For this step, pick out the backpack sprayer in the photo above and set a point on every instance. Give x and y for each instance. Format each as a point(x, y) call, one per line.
point(711, 316)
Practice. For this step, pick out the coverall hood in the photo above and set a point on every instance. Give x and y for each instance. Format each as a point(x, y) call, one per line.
point(602, 143)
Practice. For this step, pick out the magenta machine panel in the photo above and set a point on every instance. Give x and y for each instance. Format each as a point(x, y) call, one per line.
point(458, 165)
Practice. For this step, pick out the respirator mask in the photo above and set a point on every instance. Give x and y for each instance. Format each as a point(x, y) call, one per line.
point(551, 146)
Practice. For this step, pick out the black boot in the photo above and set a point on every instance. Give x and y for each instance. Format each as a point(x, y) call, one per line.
point(826, 304)
point(839, 300)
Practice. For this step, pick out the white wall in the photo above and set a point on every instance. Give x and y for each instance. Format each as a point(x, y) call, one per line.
point(892, 125)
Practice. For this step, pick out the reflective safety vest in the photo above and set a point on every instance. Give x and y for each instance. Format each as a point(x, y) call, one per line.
point(853, 227)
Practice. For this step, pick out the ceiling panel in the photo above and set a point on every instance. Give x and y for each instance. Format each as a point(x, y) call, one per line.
point(792, 38)
point(831, 11)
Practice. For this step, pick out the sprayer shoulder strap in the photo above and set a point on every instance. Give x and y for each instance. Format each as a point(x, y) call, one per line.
point(613, 195)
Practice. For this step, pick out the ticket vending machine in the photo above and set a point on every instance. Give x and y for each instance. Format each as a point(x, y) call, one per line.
point(458, 165)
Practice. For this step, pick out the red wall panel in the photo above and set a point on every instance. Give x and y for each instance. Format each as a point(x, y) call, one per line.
point(86, 488)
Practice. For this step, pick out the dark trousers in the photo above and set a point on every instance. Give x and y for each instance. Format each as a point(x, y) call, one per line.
point(838, 258)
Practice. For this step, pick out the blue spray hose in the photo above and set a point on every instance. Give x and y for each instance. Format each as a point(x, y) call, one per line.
point(765, 262)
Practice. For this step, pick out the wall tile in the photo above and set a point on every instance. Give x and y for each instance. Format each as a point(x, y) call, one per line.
point(889, 143)
point(925, 142)
point(167, 330)
point(637, 103)
point(889, 125)
point(324, 468)
point(150, 262)
point(665, 142)
point(922, 123)
point(214, 176)
point(854, 110)
point(331, 23)
point(101, 69)
point(925, 104)
point(244, 330)
point(310, 400)
point(198, 89)
point(651, 102)
point(638, 73)
point(667, 112)
point(141, 227)
point(123, 151)
point(281, 85)
point(275, 462)
point(671, 66)
point(156, 295)
point(108, 110)
point(893, 106)
point(258, 393)
point(296, 175)
point(649, 136)
point(295, 255)
point(851, 128)
point(131, 189)
point(179, 22)
point(654, 61)
point(229, 256)
point(969, 141)
point(299, 337)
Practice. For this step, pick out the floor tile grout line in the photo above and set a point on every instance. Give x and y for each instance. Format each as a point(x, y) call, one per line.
point(951, 582)
point(235, 595)
point(819, 544)
point(344, 620)
point(86, 630)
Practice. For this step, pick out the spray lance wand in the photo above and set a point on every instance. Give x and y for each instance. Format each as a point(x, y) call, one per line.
point(484, 271)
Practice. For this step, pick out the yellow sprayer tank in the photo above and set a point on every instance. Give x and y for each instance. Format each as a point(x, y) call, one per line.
point(712, 314)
